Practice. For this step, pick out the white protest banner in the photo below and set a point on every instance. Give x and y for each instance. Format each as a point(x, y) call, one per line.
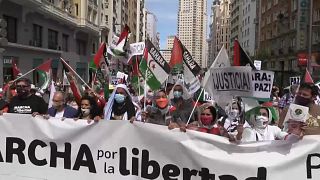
point(231, 81)
point(34, 148)
point(295, 80)
point(262, 82)
point(257, 64)
point(136, 49)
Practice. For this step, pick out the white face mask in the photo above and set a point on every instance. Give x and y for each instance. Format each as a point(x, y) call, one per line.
point(85, 112)
point(261, 122)
point(234, 113)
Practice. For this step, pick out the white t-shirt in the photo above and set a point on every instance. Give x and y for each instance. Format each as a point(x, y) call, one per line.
point(270, 133)
point(59, 114)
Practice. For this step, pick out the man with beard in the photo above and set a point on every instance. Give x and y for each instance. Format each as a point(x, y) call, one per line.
point(25, 102)
point(59, 108)
point(305, 96)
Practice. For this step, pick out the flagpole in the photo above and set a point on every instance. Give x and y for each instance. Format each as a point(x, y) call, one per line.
point(75, 73)
point(145, 92)
point(139, 88)
point(194, 107)
point(24, 75)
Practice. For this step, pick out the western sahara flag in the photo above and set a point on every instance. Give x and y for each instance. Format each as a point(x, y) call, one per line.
point(153, 67)
point(44, 74)
point(190, 71)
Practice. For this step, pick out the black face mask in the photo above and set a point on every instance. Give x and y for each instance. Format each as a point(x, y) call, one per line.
point(22, 93)
point(302, 101)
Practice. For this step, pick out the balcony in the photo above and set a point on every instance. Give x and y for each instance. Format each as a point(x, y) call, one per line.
point(89, 26)
point(64, 14)
point(290, 50)
point(280, 51)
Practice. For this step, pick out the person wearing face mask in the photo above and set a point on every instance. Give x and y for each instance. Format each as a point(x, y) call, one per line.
point(207, 120)
point(182, 105)
point(59, 108)
point(260, 130)
point(305, 96)
point(158, 113)
point(120, 106)
point(88, 109)
point(25, 102)
point(233, 111)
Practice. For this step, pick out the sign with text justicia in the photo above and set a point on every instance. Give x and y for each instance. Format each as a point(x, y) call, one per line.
point(34, 148)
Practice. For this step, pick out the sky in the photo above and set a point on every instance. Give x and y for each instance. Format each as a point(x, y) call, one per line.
point(167, 15)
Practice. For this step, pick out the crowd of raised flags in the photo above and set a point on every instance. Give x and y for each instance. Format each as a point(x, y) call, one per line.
point(169, 94)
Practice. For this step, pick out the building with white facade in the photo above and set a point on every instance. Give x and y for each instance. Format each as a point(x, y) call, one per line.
point(39, 30)
point(236, 23)
point(151, 28)
point(219, 35)
point(192, 27)
point(243, 24)
point(248, 27)
point(166, 53)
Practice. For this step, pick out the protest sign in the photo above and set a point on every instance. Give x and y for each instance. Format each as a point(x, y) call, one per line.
point(231, 81)
point(34, 148)
point(241, 81)
point(294, 80)
point(262, 82)
point(136, 49)
point(257, 64)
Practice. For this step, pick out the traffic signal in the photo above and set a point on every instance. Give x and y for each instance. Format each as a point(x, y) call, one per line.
point(3, 32)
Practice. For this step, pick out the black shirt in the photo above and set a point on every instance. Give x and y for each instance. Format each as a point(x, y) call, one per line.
point(28, 105)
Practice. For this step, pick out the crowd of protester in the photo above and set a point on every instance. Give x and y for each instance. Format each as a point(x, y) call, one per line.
point(173, 107)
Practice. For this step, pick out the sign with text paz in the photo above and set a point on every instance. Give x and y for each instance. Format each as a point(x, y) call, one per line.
point(295, 80)
point(242, 81)
point(262, 82)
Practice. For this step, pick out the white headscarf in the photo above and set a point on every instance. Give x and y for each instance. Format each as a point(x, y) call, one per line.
point(108, 107)
point(185, 93)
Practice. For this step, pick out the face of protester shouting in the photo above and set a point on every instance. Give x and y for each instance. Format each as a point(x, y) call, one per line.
point(262, 119)
point(58, 101)
point(161, 100)
point(177, 92)
point(23, 89)
point(120, 96)
point(304, 97)
point(85, 108)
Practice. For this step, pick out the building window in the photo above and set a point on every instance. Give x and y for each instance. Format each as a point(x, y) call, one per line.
point(65, 43)
point(89, 14)
point(7, 67)
point(93, 48)
point(37, 36)
point(54, 69)
point(81, 47)
point(36, 79)
point(52, 39)
point(11, 28)
point(94, 17)
point(272, 64)
point(294, 5)
point(81, 69)
point(77, 9)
